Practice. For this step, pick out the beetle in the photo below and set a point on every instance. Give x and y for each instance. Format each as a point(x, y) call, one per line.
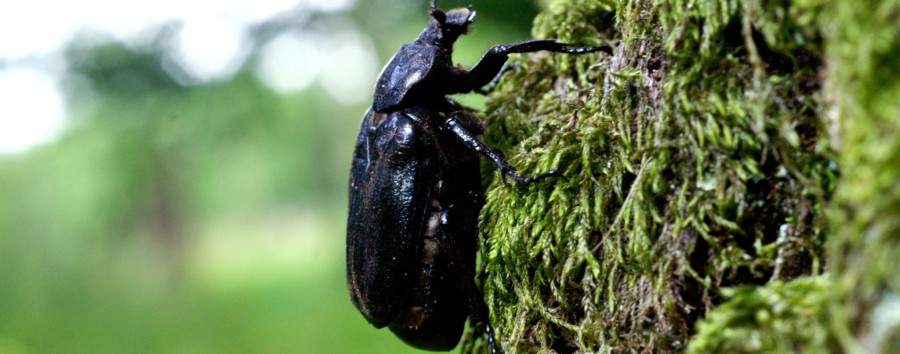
point(414, 194)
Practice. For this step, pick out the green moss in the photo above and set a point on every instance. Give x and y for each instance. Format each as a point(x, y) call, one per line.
point(776, 318)
point(693, 159)
point(701, 157)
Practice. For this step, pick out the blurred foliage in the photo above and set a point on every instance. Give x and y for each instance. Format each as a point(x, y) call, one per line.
point(863, 87)
point(205, 218)
point(776, 318)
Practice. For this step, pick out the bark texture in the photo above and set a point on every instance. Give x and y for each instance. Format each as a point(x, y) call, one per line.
point(730, 180)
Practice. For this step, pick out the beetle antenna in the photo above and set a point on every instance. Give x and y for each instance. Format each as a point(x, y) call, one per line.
point(437, 13)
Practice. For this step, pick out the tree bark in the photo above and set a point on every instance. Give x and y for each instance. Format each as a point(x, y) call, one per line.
point(698, 208)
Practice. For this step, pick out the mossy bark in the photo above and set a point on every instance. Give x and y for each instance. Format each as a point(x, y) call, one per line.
point(702, 156)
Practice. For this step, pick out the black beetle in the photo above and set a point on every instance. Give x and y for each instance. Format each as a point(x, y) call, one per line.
point(415, 188)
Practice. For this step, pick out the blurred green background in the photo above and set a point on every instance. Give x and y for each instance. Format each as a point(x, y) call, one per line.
point(190, 206)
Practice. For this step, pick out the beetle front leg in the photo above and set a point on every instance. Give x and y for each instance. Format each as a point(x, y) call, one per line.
point(473, 143)
point(492, 62)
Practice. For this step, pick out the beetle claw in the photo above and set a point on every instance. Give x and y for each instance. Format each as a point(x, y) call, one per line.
point(490, 337)
point(528, 180)
point(504, 173)
point(493, 84)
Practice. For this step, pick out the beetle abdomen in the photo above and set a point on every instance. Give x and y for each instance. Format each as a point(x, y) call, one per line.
point(438, 308)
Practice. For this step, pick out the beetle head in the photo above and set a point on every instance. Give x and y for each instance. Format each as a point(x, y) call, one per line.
point(447, 26)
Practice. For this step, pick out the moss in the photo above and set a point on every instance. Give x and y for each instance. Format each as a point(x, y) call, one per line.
point(776, 318)
point(693, 159)
point(700, 164)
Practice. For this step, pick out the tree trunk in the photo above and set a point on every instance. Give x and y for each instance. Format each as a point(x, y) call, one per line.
point(729, 173)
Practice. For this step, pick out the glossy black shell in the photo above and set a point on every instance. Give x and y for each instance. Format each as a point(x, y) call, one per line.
point(400, 76)
point(414, 205)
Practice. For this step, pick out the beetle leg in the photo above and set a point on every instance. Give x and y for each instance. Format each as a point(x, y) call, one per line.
point(473, 143)
point(493, 84)
point(492, 62)
point(478, 310)
point(458, 107)
point(480, 315)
